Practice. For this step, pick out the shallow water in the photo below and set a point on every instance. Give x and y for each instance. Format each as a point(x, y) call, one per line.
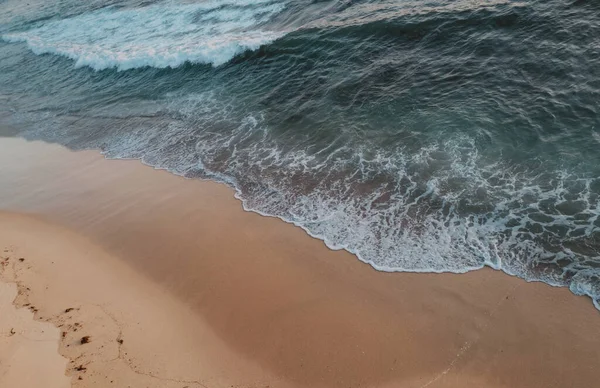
point(421, 136)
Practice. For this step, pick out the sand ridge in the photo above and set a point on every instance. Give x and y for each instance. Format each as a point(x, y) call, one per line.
point(29, 348)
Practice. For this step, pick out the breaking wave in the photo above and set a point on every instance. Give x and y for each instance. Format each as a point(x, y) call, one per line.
point(163, 35)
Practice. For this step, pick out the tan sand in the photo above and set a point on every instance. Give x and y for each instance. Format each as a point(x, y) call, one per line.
point(204, 293)
point(139, 335)
point(29, 349)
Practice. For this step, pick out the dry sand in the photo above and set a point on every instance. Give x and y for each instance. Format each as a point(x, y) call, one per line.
point(205, 294)
point(29, 349)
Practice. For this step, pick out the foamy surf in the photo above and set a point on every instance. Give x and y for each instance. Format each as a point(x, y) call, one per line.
point(163, 35)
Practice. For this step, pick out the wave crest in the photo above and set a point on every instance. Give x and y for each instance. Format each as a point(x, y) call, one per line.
point(159, 36)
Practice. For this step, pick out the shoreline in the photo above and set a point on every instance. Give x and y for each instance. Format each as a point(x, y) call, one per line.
point(283, 307)
point(236, 194)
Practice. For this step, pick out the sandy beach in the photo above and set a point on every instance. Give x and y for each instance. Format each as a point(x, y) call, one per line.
point(140, 278)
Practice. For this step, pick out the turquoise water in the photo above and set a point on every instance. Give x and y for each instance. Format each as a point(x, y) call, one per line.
point(421, 136)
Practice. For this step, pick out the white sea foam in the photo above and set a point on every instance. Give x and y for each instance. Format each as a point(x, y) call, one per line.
point(163, 35)
point(415, 224)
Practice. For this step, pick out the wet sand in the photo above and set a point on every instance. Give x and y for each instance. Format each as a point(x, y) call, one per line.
point(205, 294)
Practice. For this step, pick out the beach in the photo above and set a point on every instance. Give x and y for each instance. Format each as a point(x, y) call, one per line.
point(299, 194)
point(175, 285)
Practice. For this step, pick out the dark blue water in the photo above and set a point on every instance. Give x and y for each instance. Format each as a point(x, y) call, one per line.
point(421, 136)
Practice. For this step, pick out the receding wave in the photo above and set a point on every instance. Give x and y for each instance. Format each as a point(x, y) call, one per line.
point(164, 35)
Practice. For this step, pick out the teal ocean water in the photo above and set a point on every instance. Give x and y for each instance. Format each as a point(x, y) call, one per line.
point(422, 136)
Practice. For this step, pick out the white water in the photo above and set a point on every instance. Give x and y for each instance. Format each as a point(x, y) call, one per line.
point(412, 226)
point(163, 35)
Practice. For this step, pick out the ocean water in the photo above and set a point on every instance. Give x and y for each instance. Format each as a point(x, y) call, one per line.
point(422, 136)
